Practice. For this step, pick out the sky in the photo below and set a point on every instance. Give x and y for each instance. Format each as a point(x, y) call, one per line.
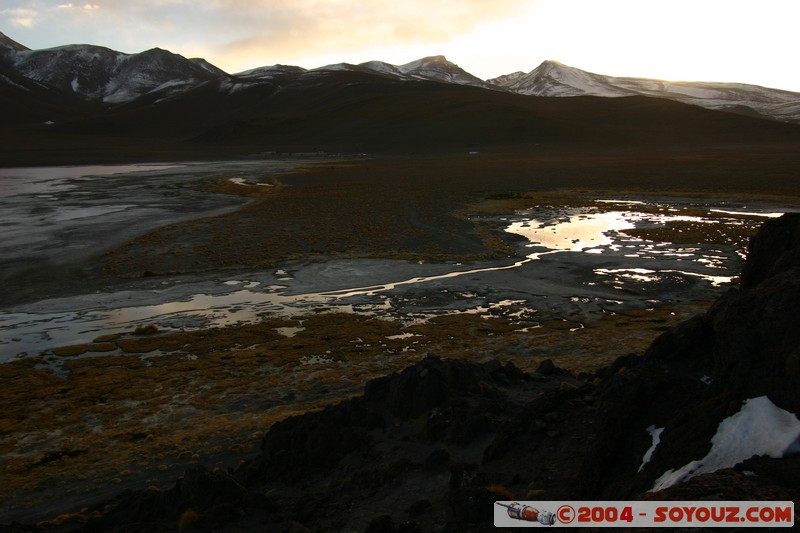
point(748, 41)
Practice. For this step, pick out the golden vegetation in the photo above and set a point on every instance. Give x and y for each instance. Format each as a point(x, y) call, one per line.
point(161, 402)
point(415, 208)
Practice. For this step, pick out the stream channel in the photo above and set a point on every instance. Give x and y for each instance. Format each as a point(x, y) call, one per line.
point(571, 263)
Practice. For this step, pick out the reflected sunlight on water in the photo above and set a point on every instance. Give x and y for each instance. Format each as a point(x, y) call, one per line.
point(586, 241)
point(581, 230)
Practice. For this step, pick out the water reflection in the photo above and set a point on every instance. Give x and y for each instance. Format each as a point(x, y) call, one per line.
point(40, 180)
point(565, 250)
point(577, 231)
point(598, 233)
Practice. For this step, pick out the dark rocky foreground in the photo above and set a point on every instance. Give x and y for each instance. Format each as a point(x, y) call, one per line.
point(431, 448)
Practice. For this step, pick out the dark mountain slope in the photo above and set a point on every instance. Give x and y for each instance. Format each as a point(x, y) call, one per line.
point(107, 105)
point(355, 112)
point(104, 75)
point(24, 101)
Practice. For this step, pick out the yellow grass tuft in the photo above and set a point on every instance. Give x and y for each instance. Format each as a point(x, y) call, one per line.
point(534, 493)
point(500, 490)
point(149, 329)
point(71, 351)
point(60, 520)
point(188, 518)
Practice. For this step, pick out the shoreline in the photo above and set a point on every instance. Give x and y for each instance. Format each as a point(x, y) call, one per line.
point(532, 278)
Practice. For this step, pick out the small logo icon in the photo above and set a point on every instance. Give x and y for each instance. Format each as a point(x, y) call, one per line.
point(529, 514)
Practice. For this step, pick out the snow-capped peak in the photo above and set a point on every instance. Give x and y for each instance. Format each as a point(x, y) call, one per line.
point(271, 71)
point(552, 78)
point(427, 62)
point(104, 75)
point(431, 68)
point(99, 73)
point(381, 68)
point(438, 68)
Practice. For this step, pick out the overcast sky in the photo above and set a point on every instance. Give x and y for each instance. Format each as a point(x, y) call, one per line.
point(750, 41)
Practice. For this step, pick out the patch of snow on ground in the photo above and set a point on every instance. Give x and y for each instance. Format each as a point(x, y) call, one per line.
point(759, 428)
point(400, 336)
point(655, 434)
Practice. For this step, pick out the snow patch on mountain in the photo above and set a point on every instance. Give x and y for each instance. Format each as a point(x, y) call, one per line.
point(432, 68)
point(9, 81)
point(205, 65)
point(552, 78)
point(438, 68)
point(98, 73)
point(382, 68)
point(272, 72)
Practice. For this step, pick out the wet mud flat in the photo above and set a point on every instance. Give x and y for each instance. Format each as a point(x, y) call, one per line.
point(54, 218)
point(306, 320)
point(575, 263)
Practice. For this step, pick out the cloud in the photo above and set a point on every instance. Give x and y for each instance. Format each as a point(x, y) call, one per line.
point(20, 17)
point(88, 7)
point(248, 33)
point(291, 30)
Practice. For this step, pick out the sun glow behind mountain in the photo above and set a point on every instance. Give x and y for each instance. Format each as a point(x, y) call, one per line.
point(704, 40)
point(749, 41)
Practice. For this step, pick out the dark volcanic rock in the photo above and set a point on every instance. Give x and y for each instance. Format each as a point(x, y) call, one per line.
point(774, 250)
point(694, 376)
point(385, 461)
point(300, 444)
point(422, 387)
point(210, 498)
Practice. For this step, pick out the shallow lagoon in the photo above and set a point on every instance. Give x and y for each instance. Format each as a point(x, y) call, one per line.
point(574, 263)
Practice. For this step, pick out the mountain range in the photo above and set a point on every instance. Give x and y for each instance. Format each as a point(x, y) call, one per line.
point(425, 104)
point(555, 79)
point(101, 74)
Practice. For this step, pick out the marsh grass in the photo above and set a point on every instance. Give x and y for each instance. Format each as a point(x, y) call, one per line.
point(131, 418)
